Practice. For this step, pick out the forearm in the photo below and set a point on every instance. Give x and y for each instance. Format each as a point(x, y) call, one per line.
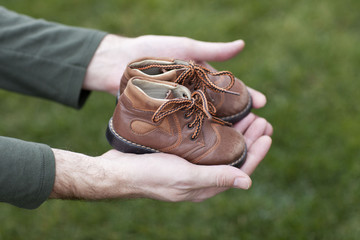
point(118, 175)
point(79, 176)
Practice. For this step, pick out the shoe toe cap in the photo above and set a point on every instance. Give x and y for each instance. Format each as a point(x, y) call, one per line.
point(229, 150)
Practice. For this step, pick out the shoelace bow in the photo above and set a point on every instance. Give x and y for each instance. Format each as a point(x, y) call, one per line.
point(197, 105)
point(198, 75)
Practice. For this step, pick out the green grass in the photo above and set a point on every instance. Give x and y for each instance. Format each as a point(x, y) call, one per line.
point(304, 55)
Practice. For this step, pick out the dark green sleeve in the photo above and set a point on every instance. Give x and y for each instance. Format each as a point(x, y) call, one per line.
point(45, 59)
point(27, 172)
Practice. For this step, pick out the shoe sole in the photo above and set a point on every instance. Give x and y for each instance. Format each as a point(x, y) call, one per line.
point(123, 145)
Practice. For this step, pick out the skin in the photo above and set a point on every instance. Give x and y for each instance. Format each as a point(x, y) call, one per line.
point(158, 176)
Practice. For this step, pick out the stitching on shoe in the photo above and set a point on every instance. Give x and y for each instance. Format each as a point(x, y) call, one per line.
point(117, 135)
point(155, 129)
point(179, 139)
point(217, 143)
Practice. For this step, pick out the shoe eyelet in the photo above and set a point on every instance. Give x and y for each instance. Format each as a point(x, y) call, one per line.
point(192, 139)
point(186, 117)
point(190, 126)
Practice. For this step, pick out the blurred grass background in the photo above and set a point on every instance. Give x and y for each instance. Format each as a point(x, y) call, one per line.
point(304, 55)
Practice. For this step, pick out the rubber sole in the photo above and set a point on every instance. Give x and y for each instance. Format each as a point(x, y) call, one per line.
point(123, 145)
point(241, 160)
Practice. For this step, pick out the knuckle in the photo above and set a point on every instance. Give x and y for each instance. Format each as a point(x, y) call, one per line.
point(222, 181)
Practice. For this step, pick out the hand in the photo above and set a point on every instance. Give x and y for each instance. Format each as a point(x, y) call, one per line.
point(159, 176)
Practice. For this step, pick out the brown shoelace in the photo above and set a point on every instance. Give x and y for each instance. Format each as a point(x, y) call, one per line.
point(198, 75)
point(197, 105)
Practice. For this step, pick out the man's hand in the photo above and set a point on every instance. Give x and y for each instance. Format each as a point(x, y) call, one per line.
point(158, 175)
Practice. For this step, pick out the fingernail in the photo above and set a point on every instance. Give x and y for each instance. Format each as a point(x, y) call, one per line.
point(243, 183)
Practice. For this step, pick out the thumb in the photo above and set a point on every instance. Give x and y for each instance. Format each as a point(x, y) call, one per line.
point(223, 176)
point(215, 51)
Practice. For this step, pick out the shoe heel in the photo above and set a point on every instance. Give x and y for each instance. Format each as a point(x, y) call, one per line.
point(123, 145)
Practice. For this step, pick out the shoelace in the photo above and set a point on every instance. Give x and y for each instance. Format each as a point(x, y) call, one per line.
point(197, 105)
point(198, 75)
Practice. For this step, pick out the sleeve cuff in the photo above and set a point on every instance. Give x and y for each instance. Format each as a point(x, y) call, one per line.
point(27, 172)
point(76, 96)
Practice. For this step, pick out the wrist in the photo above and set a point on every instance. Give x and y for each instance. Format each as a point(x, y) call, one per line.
point(79, 176)
point(107, 65)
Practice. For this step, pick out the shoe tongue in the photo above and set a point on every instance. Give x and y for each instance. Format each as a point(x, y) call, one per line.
point(178, 92)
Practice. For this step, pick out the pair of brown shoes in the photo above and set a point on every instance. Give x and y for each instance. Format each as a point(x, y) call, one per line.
point(182, 108)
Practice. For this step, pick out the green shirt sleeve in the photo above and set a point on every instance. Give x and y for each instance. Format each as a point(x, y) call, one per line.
point(27, 172)
point(46, 60)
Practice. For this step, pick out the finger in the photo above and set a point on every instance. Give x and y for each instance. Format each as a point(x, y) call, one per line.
point(245, 123)
point(214, 51)
point(269, 130)
point(255, 130)
point(222, 177)
point(256, 154)
point(259, 99)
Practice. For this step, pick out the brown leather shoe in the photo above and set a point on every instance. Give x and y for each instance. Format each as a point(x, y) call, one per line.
point(228, 94)
point(157, 116)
